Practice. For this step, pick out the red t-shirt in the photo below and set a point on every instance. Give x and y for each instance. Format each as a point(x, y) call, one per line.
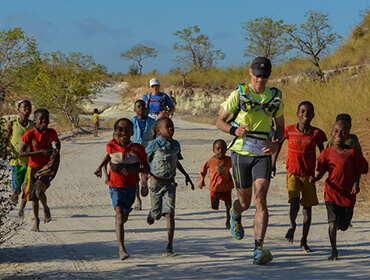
point(124, 157)
point(301, 159)
point(37, 141)
point(342, 169)
point(219, 174)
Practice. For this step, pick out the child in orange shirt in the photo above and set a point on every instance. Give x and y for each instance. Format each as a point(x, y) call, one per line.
point(220, 180)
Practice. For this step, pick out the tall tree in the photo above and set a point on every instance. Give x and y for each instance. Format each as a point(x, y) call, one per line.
point(265, 37)
point(313, 38)
point(195, 50)
point(65, 83)
point(17, 52)
point(138, 53)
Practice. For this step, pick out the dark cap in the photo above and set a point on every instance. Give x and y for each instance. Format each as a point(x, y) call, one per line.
point(261, 66)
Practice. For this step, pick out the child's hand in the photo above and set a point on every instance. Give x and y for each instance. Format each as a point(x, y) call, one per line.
point(355, 188)
point(273, 170)
point(188, 180)
point(312, 180)
point(98, 173)
point(201, 185)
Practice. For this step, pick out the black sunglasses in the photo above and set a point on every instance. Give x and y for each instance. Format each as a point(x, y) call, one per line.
point(264, 76)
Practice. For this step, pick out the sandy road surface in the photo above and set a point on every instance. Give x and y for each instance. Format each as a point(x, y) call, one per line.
point(80, 242)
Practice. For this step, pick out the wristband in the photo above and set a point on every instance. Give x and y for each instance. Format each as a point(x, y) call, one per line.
point(232, 130)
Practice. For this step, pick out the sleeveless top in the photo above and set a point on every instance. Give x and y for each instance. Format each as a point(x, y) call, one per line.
point(15, 140)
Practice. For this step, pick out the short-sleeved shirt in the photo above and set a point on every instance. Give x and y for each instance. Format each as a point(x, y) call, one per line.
point(257, 120)
point(220, 179)
point(18, 131)
point(37, 141)
point(301, 159)
point(342, 169)
point(352, 141)
point(163, 156)
point(95, 117)
point(155, 102)
point(124, 157)
point(143, 130)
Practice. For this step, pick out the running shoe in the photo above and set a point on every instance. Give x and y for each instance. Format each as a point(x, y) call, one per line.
point(236, 227)
point(262, 256)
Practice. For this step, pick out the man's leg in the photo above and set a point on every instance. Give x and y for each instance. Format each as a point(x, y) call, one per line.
point(261, 187)
point(242, 203)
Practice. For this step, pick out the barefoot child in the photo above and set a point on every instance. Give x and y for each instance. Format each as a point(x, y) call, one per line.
point(16, 130)
point(96, 121)
point(143, 133)
point(344, 166)
point(127, 160)
point(220, 181)
point(164, 154)
point(302, 141)
point(39, 141)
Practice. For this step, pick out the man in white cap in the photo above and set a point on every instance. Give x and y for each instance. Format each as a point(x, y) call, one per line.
point(158, 103)
point(253, 107)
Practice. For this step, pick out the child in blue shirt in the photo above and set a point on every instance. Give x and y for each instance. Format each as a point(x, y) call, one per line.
point(164, 154)
point(143, 133)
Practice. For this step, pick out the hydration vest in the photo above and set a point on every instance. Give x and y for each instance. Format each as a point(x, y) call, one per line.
point(163, 101)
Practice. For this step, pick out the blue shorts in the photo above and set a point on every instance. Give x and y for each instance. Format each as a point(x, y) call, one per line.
point(125, 195)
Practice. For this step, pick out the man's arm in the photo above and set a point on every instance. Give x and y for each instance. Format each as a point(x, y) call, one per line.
point(222, 125)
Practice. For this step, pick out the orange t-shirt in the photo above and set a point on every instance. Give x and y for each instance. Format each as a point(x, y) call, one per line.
point(220, 179)
point(301, 160)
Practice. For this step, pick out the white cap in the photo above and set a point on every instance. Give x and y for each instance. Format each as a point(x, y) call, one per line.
point(154, 82)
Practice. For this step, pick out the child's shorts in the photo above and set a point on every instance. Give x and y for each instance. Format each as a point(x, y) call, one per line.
point(34, 184)
point(163, 198)
point(125, 195)
point(340, 214)
point(217, 196)
point(19, 177)
point(297, 185)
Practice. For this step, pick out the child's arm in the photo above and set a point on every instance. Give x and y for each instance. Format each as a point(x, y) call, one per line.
point(187, 177)
point(314, 179)
point(356, 185)
point(24, 153)
point(98, 171)
point(144, 168)
point(321, 147)
point(203, 174)
point(58, 145)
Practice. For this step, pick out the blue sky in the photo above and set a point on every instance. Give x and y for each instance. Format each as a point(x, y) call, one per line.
point(105, 29)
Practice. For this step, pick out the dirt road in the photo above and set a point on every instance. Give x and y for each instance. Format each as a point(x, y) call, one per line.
point(80, 241)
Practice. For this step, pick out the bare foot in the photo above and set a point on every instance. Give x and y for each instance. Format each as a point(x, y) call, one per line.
point(333, 256)
point(47, 215)
point(227, 224)
point(290, 235)
point(36, 226)
point(305, 248)
point(144, 191)
point(150, 219)
point(137, 207)
point(169, 253)
point(123, 255)
point(21, 213)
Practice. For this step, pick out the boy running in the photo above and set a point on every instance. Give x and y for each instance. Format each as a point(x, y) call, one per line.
point(39, 142)
point(127, 160)
point(344, 166)
point(301, 161)
point(220, 181)
point(96, 121)
point(16, 130)
point(164, 154)
point(143, 133)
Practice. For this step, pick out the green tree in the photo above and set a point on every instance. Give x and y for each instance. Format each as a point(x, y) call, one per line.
point(17, 53)
point(313, 38)
point(266, 38)
point(66, 82)
point(138, 53)
point(195, 50)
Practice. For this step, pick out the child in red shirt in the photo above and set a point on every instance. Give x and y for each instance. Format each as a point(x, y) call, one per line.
point(345, 166)
point(39, 141)
point(301, 161)
point(220, 180)
point(127, 160)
